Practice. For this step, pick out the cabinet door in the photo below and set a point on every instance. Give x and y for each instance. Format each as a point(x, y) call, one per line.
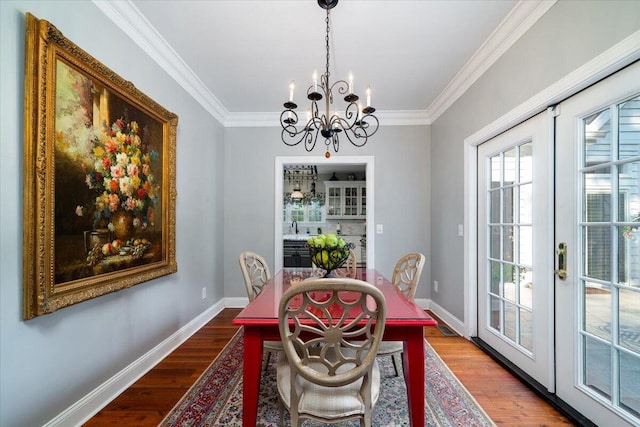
point(351, 199)
point(363, 200)
point(346, 199)
point(334, 202)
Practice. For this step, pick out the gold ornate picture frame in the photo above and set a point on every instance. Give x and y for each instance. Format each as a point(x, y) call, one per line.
point(99, 177)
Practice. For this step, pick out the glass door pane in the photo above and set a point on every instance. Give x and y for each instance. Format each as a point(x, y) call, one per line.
point(510, 237)
point(610, 273)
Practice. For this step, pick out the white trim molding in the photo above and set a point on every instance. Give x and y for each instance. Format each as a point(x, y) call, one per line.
point(85, 408)
point(125, 14)
point(522, 17)
point(388, 117)
point(134, 24)
point(614, 59)
point(449, 319)
point(610, 61)
point(280, 161)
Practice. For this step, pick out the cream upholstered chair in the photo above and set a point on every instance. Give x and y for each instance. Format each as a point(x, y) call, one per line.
point(322, 375)
point(348, 269)
point(256, 274)
point(406, 276)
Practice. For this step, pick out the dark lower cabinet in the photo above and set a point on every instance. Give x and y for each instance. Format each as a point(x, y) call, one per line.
point(296, 254)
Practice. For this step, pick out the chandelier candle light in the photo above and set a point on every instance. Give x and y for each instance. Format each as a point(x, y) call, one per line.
point(357, 123)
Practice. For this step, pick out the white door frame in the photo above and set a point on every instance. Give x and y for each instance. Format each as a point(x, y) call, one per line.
point(610, 61)
point(315, 160)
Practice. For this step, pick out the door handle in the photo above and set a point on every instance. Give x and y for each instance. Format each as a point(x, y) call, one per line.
point(562, 261)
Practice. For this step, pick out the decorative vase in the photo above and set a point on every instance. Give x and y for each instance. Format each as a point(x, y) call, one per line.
point(123, 225)
point(95, 237)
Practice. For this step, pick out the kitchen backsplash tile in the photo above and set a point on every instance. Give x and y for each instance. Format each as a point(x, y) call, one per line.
point(347, 227)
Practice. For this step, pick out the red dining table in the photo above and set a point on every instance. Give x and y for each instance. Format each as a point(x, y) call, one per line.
point(405, 322)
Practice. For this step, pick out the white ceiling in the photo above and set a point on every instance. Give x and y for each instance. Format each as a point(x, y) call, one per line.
point(238, 57)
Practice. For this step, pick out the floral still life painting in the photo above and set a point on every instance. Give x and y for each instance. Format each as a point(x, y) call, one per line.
point(107, 187)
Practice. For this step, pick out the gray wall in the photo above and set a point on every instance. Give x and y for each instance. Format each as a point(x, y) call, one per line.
point(570, 34)
point(49, 363)
point(226, 198)
point(402, 189)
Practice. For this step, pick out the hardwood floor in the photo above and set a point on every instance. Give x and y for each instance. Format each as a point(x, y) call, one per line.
point(507, 401)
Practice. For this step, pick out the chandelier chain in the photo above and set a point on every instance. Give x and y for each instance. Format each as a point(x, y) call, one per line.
point(327, 44)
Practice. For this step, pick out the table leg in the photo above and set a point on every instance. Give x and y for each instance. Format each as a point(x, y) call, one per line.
point(251, 376)
point(414, 374)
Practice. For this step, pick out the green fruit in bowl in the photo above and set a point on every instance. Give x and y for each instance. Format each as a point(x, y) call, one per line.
point(332, 241)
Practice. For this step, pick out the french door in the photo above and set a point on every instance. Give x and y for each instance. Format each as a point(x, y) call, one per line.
point(515, 285)
point(566, 184)
point(598, 219)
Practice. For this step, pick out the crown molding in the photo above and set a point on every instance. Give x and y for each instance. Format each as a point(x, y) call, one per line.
point(122, 13)
point(522, 17)
point(608, 62)
point(272, 119)
point(515, 24)
point(404, 117)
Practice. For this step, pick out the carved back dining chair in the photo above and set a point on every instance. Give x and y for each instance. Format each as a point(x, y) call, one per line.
point(406, 276)
point(323, 375)
point(255, 272)
point(348, 269)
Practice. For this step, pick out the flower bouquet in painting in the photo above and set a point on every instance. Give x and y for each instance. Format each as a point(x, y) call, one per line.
point(125, 189)
point(329, 252)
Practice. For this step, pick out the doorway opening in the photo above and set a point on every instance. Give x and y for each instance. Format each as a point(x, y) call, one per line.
point(359, 227)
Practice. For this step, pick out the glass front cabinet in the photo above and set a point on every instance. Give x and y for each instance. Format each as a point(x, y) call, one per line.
point(346, 199)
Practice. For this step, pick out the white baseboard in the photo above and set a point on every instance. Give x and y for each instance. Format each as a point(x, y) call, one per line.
point(92, 403)
point(453, 322)
point(81, 411)
point(238, 302)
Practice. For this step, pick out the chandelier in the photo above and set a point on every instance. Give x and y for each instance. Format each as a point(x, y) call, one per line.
point(357, 123)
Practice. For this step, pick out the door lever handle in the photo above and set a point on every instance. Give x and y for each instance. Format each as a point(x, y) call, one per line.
point(562, 261)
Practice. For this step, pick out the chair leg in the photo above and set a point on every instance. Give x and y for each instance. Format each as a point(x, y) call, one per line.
point(266, 358)
point(395, 366)
point(365, 421)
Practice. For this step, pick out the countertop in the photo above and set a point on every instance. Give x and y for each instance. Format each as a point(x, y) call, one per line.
point(304, 236)
point(297, 236)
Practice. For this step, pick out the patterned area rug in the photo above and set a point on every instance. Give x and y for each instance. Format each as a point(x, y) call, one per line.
point(216, 397)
